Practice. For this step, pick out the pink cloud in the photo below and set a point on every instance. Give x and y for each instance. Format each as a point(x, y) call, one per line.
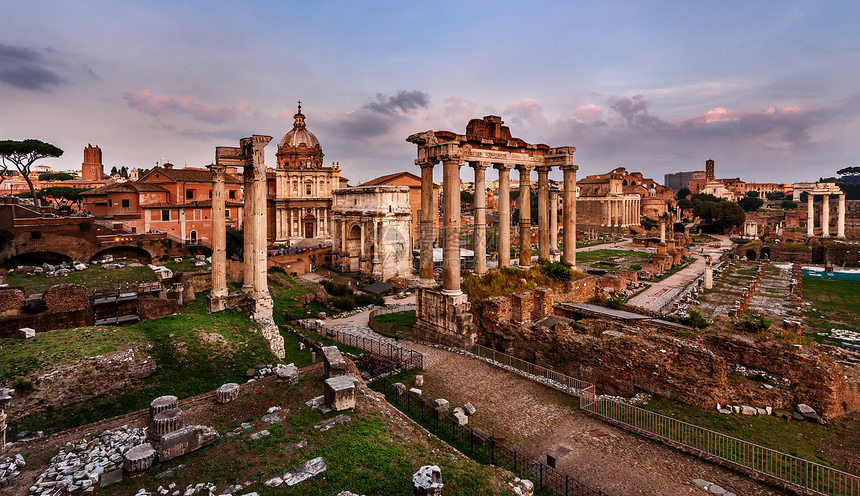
point(155, 105)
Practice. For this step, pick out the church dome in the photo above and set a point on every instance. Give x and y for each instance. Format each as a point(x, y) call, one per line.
point(299, 133)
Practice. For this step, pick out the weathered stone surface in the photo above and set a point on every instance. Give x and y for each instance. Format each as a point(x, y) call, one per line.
point(808, 413)
point(748, 410)
point(419, 380)
point(399, 387)
point(312, 467)
point(523, 487)
point(469, 409)
point(415, 391)
point(160, 404)
point(460, 417)
point(185, 440)
point(340, 392)
point(288, 374)
point(441, 404)
point(427, 481)
point(335, 364)
point(166, 422)
point(64, 297)
point(11, 301)
point(227, 392)
point(27, 332)
point(139, 458)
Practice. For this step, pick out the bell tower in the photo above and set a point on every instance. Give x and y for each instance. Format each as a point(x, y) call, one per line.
point(709, 170)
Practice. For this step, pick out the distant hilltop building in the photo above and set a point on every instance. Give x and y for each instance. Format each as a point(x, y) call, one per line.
point(92, 169)
point(617, 201)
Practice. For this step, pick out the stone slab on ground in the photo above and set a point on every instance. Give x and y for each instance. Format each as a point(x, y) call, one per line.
point(185, 440)
point(340, 393)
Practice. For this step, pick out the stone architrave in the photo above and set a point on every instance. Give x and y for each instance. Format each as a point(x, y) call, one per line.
point(139, 458)
point(504, 242)
point(479, 242)
point(525, 229)
point(427, 481)
point(227, 392)
point(569, 214)
point(340, 392)
point(185, 440)
point(161, 404)
point(543, 212)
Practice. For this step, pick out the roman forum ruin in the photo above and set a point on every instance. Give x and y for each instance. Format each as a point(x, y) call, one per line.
point(825, 191)
point(255, 288)
point(444, 315)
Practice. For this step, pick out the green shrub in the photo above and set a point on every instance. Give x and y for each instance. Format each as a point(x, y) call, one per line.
point(336, 289)
point(556, 270)
point(364, 299)
point(753, 324)
point(695, 319)
point(344, 303)
point(23, 385)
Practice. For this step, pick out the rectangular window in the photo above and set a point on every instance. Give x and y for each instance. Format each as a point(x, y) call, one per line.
point(189, 194)
point(126, 203)
point(165, 215)
point(227, 213)
point(110, 203)
point(308, 189)
point(231, 194)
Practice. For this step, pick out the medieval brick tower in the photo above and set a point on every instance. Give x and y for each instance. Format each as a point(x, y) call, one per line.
point(92, 168)
point(709, 170)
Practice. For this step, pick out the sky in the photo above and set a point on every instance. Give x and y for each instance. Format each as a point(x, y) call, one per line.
point(770, 90)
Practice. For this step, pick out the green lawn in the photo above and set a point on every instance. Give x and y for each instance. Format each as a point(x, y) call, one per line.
point(93, 278)
point(406, 319)
point(835, 304)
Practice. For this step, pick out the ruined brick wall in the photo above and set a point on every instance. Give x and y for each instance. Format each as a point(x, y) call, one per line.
point(521, 306)
point(611, 284)
point(629, 275)
point(64, 297)
point(194, 282)
point(542, 303)
point(46, 321)
point(840, 254)
point(496, 313)
point(781, 253)
point(150, 307)
point(580, 290)
point(11, 301)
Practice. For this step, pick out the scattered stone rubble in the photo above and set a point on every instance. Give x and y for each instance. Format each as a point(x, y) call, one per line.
point(712, 488)
point(10, 467)
point(427, 481)
point(744, 410)
point(522, 487)
point(87, 463)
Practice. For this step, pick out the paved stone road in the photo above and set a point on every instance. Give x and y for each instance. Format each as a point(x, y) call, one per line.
point(664, 292)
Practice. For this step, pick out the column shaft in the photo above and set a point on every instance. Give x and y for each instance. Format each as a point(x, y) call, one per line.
point(825, 216)
point(479, 240)
point(525, 216)
point(451, 203)
point(504, 215)
point(543, 213)
point(840, 219)
point(261, 284)
point(553, 224)
point(569, 214)
point(426, 225)
point(810, 216)
point(219, 232)
point(249, 238)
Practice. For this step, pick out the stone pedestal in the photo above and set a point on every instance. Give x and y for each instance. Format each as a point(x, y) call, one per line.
point(427, 481)
point(340, 393)
point(335, 364)
point(445, 319)
point(227, 393)
point(288, 374)
point(139, 458)
point(161, 404)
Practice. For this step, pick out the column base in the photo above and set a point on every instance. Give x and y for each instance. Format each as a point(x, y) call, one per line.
point(261, 309)
point(426, 283)
point(215, 303)
point(452, 292)
point(445, 319)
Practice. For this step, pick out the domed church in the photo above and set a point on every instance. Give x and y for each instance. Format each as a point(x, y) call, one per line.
point(300, 188)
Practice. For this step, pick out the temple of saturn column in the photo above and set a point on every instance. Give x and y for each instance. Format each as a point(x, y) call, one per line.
point(255, 289)
point(443, 316)
point(825, 191)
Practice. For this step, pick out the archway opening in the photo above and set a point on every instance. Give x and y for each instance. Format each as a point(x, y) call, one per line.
point(36, 258)
point(124, 253)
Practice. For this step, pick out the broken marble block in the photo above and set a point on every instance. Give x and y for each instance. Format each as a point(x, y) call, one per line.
point(419, 380)
point(160, 404)
point(469, 409)
point(227, 392)
point(399, 388)
point(460, 416)
point(185, 440)
point(27, 332)
point(335, 364)
point(340, 392)
point(139, 458)
point(427, 481)
point(288, 374)
point(442, 405)
point(166, 422)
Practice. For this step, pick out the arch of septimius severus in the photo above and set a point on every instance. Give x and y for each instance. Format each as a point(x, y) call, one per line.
point(444, 315)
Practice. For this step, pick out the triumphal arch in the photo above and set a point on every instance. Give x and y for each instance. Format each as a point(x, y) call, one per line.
point(444, 316)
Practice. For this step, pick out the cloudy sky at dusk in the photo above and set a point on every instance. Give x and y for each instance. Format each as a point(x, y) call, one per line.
point(769, 90)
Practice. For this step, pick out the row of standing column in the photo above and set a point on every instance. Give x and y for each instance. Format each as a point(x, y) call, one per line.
point(547, 221)
point(825, 216)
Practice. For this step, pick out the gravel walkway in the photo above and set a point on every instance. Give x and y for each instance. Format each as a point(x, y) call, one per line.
point(537, 420)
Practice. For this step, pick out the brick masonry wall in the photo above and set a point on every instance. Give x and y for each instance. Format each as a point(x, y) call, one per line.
point(11, 301)
point(63, 297)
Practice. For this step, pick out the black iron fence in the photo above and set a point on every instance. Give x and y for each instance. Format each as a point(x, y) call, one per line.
point(481, 447)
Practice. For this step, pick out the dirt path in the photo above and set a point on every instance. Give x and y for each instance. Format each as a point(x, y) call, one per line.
point(537, 420)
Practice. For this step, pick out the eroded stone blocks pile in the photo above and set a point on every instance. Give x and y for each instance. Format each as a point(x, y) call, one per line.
point(173, 436)
point(83, 465)
point(10, 467)
point(288, 374)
